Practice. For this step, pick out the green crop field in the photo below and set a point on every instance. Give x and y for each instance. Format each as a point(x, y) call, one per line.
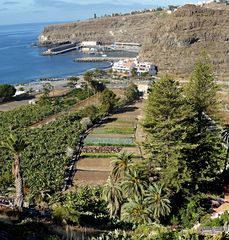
point(109, 141)
point(113, 130)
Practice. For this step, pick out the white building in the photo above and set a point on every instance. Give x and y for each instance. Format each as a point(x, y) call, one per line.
point(145, 67)
point(143, 88)
point(89, 43)
point(124, 66)
point(19, 93)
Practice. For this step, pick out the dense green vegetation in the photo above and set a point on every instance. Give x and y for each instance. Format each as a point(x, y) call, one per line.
point(45, 160)
point(27, 115)
point(184, 165)
point(182, 170)
point(185, 154)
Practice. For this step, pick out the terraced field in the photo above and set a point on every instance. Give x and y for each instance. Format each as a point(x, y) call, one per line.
point(116, 134)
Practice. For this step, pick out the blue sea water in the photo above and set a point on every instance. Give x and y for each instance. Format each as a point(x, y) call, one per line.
point(22, 63)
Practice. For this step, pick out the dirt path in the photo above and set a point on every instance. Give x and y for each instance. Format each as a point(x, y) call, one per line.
point(140, 135)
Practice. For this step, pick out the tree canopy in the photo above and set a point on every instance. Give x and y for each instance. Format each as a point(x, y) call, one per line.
point(167, 123)
point(7, 91)
point(108, 101)
point(201, 89)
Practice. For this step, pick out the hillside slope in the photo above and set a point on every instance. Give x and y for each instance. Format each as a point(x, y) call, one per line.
point(105, 30)
point(175, 42)
point(171, 41)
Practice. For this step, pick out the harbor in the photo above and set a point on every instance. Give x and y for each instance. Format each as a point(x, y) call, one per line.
point(93, 47)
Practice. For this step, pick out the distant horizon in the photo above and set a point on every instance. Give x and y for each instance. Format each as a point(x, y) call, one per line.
point(33, 23)
point(57, 11)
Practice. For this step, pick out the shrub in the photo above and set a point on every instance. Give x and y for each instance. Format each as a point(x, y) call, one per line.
point(6, 92)
point(217, 222)
point(121, 235)
point(193, 210)
point(86, 123)
point(90, 111)
point(131, 92)
point(54, 237)
point(91, 208)
point(108, 101)
point(65, 214)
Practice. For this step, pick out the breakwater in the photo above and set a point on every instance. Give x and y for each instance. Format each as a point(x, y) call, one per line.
point(61, 49)
point(100, 59)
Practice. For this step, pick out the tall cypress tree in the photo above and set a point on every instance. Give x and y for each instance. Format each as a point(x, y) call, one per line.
point(201, 89)
point(168, 121)
point(182, 145)
point(205, 160)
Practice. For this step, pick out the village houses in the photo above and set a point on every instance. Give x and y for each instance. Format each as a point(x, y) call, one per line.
point(124, 67)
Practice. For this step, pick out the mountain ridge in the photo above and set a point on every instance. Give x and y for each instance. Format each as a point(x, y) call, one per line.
point(171, 41)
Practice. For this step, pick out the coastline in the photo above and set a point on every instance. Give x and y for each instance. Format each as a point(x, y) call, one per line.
point(57, 82)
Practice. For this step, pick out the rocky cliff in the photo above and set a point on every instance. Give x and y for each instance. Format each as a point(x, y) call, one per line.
point(171, 41)
point(106, 30)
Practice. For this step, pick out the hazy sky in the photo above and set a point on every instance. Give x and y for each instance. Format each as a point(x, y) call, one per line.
point(28, 11)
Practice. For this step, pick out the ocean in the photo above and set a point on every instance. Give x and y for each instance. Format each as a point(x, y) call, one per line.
point(22, 63)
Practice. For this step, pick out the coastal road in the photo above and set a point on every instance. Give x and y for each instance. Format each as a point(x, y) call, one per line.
point(12, 105)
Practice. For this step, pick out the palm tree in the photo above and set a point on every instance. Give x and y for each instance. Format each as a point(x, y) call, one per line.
point(134, 183)
point(136, 211)
point(16, 145)
point(158, 203)
point(121, 164)
point(88, 76)
point(88, 79)
point(112, 193)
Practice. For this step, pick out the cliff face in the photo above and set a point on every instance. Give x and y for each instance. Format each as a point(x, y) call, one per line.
point(106, 30)
point(174, 43)
point(171, 41)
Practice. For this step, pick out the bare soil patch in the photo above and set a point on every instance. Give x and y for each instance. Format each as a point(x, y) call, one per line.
point(111, 135)
point(93, 178)
point(13, 104)
point(134, 150)
point(94, 164)
point(119, 124)
point(225, 117)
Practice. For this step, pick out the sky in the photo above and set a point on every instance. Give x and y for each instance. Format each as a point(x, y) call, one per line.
point(34, 11)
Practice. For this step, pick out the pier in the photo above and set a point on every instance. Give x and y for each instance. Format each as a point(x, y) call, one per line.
point(96, 48)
